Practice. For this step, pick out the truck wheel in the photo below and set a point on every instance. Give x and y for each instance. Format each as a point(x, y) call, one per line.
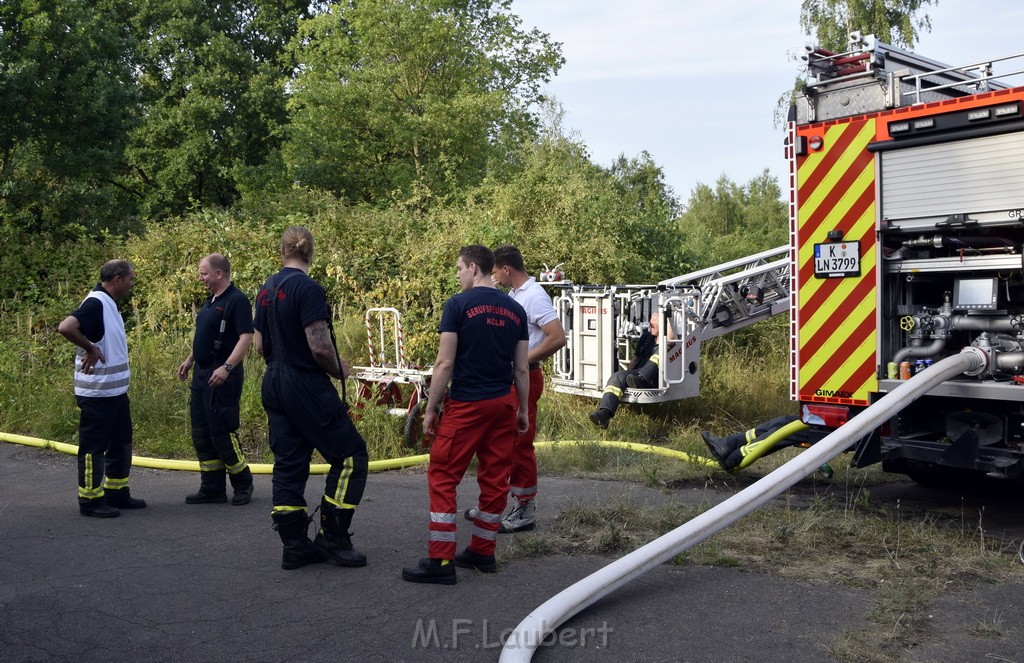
point(413, 436)
point(946, 478)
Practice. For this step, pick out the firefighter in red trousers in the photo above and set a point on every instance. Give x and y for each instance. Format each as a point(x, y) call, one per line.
point(483, 350)
point(546, 337)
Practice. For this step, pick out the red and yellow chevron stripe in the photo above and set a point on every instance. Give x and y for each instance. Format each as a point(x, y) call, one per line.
point(836, 334)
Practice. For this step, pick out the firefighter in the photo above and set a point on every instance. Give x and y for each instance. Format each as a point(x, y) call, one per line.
point(101, 391)
point(483, 348)
point(223, 335)
point(546, 337)
point(304, 411)
point(731, 450)
point(642, 373)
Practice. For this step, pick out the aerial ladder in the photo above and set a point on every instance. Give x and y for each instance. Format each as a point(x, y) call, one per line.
point(602, 323)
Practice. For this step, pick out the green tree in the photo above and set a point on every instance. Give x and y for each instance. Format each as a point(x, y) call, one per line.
point(829, 22)
point(410, 101)
point(213, 77)
point(729, 221)
point(896, 22)
point(67, 100)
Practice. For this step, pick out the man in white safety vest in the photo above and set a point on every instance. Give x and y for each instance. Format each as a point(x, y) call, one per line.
point(101, 390)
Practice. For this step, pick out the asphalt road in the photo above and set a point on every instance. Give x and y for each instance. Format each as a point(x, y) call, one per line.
point(197, 583)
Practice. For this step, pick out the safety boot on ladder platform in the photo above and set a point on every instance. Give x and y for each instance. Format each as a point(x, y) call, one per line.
point(637, 381)
point(298, 549)
point(333, 539)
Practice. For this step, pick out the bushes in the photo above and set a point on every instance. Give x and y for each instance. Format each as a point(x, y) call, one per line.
point(556, 206)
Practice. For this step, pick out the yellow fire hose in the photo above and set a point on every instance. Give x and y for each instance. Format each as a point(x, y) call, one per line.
point(765, 445)
point(323, 468)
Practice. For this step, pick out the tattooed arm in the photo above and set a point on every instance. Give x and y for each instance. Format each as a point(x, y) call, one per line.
point(319, 338)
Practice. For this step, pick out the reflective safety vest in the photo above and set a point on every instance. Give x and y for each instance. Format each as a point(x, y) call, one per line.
point(109, 377)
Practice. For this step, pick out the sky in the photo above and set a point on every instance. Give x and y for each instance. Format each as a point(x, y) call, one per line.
point(695, 83)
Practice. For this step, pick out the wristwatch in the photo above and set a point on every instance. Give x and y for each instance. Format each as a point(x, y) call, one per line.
point(228, 367)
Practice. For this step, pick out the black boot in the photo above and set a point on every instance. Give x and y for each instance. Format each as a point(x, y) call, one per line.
point(121, 498)
point(97, 508)
point(429, 570)
point(241, 484)
point(723, 449)
point(470, 559)
point(333, 539)
point(298, 549)
point(211, 488)
point(600, 417)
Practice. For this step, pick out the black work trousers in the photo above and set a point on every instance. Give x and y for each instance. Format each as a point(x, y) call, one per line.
point(617, 384)
point(305, 412)
point(215, 418)
point(104, 445)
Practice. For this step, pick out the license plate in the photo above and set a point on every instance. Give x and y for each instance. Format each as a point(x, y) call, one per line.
point(837, 260)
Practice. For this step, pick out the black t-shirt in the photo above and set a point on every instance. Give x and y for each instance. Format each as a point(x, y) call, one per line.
point(233, 309)
point(90, 317)
point(645, 347)
point(489, 324)
point(299, 303)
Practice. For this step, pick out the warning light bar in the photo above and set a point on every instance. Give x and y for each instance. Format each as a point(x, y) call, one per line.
point(955, 120)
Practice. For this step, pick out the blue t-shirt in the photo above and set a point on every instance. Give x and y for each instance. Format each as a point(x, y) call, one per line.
point(300, 303)
point(489, 325)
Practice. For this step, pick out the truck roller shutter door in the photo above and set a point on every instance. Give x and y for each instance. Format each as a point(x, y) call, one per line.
point(969, 176)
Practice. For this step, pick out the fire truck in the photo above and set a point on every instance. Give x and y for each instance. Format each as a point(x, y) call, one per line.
point(907, 223)
point(906, 180)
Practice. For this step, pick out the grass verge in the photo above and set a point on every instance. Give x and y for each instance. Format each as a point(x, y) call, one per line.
point(904, 561)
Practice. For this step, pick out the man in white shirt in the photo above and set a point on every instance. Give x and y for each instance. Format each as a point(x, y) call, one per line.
point(546, 337)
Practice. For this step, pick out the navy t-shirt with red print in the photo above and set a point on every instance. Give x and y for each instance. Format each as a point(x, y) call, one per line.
point(301, 302)
point(489, 325)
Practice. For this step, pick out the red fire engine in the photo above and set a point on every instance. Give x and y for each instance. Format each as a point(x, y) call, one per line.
point(907, 223)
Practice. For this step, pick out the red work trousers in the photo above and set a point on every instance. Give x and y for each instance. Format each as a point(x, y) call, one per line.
point(523, 478)
point(488, 430)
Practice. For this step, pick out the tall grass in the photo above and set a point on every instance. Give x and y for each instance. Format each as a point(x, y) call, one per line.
point(743, 382)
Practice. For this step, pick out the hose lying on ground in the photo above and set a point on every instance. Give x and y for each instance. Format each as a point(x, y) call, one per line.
point(323, 468)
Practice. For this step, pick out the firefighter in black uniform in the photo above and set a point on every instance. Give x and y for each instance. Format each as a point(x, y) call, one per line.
point(642, 373)
point(223, 335)
point(304, 410)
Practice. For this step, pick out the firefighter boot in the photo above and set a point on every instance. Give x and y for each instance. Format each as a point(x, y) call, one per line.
point(298, 549)
point(723, 449)
point(638, 381)
point(241, 484)
point(470, 559)
point(429, 569)
point(333, 540)
point(97, 508)
point(211, 488)
point(121, 498)
point(600, 417)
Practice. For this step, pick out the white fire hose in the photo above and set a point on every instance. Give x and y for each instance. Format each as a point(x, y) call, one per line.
point(528, 635)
